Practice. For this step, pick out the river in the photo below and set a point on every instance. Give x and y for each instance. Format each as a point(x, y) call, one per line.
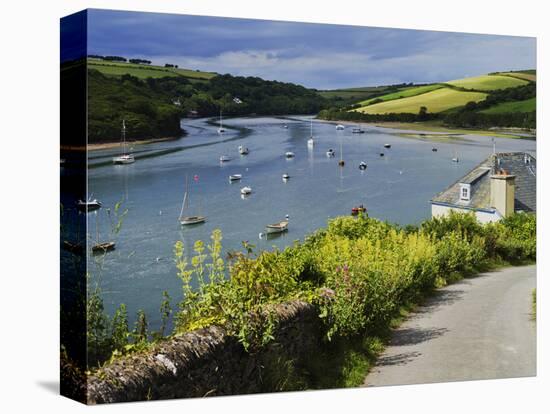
point(396, 187)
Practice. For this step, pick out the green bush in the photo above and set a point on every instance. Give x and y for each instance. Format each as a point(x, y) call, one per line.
point(358, 271)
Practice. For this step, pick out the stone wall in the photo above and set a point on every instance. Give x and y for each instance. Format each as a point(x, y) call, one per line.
point(209, 362)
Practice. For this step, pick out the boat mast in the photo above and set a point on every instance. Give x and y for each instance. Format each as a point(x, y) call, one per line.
point(185, 203)
point(311, 128)
point(221, 123)
point(123, 137)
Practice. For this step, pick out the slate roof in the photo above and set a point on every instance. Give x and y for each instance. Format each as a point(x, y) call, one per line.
point(480, 183)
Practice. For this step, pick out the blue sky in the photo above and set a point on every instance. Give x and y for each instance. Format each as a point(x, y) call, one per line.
point(314, 55)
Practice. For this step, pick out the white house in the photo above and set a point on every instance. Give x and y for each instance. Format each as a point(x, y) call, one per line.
point(502, 184)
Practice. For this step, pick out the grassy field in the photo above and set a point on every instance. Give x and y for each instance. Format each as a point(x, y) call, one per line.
point(521, 75)
point(145, 71)
point(436, 101)
point(488, 82)
point(528, 105)
point(405, 93)
point(354, 95)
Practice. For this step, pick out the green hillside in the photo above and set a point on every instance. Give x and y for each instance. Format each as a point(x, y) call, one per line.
point(153, 106)
point(528, 105)
point(498, 99)
point(403, 93)
point(526, 75)
point(145, 71)
point(488, 82)
point(437, 100)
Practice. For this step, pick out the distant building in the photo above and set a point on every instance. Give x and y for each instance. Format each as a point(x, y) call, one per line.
point(502, 184)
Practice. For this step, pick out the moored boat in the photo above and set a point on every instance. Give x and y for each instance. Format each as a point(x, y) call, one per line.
point(235, 177)
point(340, 127)
point(246, 190)
point(358, 209)
point(362, 165)
point(277, 227)
point(185, 219)
point(289, 154)
point(357, 130)
point(243, 150)
point(387, 145)
point(225, 158)
point(89, 205)
point(125, 157)
point(286, 176)
point(103, 247)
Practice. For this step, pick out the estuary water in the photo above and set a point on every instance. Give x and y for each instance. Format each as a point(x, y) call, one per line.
point(396, 187)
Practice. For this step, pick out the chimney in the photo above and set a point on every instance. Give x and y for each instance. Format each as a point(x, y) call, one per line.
point(502, 192)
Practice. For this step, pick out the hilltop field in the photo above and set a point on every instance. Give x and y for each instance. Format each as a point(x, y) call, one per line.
point(500, 99)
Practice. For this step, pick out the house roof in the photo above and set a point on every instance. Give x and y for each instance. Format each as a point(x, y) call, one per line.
point(520, 164)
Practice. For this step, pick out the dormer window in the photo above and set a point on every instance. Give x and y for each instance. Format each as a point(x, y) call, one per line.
point(465, 192)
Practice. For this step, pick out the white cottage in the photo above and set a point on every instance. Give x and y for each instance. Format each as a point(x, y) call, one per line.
point(502, 184)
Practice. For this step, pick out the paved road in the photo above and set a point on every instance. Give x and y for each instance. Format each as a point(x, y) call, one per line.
point(479, 328)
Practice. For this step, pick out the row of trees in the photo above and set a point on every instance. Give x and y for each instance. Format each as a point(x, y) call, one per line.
point(120, 59)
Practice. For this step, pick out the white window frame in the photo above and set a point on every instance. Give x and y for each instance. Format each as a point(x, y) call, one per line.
point(465, 192)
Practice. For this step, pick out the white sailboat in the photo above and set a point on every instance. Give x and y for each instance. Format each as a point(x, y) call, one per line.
point(310, 141)
point(124, 157)
point(235, 177)
point(455, 158)
point(221, 129)
point(340, 127)
point(88, 205)
point(188, 219)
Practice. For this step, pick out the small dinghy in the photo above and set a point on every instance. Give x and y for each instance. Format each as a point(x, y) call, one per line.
point(359, 209)
point(434, 149)
point(277, 227)
point(340, 127)
point(387, 145)
point(246, 190)
point(286, 176)
point(235, 177)
point(225, 158)
point(243, 150)
point(362, 165)
point(289, 154)
point(330, 153)
point(357, 130)
point(103, 247)
point(89, 205)
point(381, 154)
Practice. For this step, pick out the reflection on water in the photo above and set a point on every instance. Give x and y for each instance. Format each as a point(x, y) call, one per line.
point(396, 187)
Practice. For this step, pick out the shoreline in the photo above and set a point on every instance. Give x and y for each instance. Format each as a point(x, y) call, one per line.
point(427, 127)
point(110, 145)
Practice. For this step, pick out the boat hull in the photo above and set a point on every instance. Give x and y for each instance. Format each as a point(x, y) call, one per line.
point(185, 221)
point(276, 228)
point(103, 247)
point(123, 160)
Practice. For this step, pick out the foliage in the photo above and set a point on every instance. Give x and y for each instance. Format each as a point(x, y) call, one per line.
point(147, 104)
point(359, 272)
